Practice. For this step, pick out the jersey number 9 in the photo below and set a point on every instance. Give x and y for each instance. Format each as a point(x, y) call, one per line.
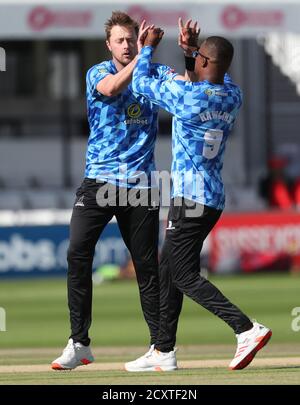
point(212, 143)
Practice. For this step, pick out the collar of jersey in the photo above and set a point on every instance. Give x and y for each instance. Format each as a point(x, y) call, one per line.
point(113, 66)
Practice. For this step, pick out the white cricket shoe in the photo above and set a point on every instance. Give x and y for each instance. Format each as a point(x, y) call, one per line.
point(248, 344)
point(153, 360)
point(74, 355)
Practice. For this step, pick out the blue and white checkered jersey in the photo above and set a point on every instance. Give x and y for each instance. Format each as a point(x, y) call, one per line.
point(123, 130)
point(204, 114)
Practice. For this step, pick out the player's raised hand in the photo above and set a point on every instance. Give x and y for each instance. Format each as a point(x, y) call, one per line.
point(142, 34)
point(154, 36)
point(188, 35)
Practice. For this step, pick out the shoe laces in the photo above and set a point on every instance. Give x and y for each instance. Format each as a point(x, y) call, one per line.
point(149, 352)
point(70, 347)
point(247, 335)
point(164, 354)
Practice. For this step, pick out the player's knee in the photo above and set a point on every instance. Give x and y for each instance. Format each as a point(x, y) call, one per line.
point(71, 253)
point(77, 252)
point(146, 266)
point(179, 281)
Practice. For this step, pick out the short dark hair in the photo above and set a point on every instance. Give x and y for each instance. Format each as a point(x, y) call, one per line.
point(222, 49)
point(120, 18)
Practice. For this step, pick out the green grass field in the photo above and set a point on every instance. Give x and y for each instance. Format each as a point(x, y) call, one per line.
point(203, 376)
point(37, 314)
point(37, 319)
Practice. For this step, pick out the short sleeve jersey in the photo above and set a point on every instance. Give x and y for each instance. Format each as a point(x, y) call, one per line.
point(123, 130)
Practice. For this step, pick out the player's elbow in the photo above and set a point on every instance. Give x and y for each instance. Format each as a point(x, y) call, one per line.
point(107, 90)
point(111, 93)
